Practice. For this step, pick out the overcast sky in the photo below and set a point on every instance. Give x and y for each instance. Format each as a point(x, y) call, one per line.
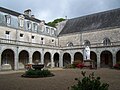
point(49, 10)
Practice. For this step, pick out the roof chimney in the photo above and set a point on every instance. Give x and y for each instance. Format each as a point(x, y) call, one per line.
point(28, 12)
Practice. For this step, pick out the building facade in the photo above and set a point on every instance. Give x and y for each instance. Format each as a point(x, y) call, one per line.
point(24, 39)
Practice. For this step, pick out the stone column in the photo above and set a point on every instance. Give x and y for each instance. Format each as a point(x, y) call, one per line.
point(30, 57)
point(72, 59)
point(98, 60)
point(52, 61)
point(114, 59)
point(42, 56)
point(16, 61)
point(61, 60)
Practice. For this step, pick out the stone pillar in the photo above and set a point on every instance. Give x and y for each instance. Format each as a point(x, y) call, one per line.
point(42, 56)
point(98, 60)
point(61, 60)
point(30, 57)
point(72, 59)
point(52, 61)
point(114, 59)
point(16, 61)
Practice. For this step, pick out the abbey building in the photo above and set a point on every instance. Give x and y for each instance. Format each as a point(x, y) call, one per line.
point(24, 39)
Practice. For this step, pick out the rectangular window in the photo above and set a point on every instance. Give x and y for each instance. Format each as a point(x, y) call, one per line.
point(21, 35)
point(33, 37)
point(8, 19)
point(53, 40)
point(35, 27)
point(52, 31)
point(42, 38)
point(29, 25)
point(7, 32)
point(47, 30)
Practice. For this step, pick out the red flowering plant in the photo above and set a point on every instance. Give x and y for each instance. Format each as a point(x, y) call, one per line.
point(78, 64)
point(117, 66)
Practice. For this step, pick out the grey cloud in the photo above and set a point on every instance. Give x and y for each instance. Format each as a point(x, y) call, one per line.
point(52, 9)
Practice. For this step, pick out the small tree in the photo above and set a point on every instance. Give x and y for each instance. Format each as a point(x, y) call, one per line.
point(89, 83)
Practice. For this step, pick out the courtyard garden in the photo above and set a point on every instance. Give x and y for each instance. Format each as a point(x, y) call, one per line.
point(63, 79)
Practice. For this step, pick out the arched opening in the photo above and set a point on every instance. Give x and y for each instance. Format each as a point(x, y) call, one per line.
point(106, 59)
point(69, 44)
point(47, 59)
point(23, 59)
point(56, 60)
point(106, 42)
point(7, 59)
point(118, 57)
point(93, 57)
point(36, 56)
point(87, 43)
point(78, 57)
point(66, 59)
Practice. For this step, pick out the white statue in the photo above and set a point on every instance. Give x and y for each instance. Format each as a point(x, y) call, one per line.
point(87, 53)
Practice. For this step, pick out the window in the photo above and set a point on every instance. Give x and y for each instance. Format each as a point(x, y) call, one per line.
point(21, 35)
point(42, 38)
point(106, 41)
point(53, 40)
point(52, 31)
point(69, 44)
point(33, 37)
point(8, 19)
point(29, 25)
point(47, 30)
point(21, 21)
point(7, 32)
point(87, 43)
point(35, 27)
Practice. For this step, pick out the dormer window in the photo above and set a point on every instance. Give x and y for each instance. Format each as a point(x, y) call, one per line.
point(8, 19)
point(47, 30)
point(106, 41)
point(52, 31)
point(35, 27)
point(21, 21)
point(69, 44)
point(87, 43)
point(29, 25)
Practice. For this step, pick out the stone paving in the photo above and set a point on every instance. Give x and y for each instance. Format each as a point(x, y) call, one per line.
point(64, 78)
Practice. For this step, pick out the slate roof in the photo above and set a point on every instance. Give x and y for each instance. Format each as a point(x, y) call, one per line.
point(97, 21)
point(17, 14)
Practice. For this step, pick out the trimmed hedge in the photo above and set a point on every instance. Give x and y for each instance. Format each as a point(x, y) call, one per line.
point(37, 73)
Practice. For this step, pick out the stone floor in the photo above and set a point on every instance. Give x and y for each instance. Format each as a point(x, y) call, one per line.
point(63, 79)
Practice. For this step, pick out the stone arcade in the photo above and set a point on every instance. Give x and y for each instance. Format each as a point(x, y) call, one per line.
point(24, 39)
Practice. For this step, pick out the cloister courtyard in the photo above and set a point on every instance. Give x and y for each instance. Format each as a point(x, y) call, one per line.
point(63, 79)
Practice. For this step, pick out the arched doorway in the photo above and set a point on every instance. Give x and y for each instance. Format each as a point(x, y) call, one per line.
point(66, 59)
point(7, 59)
point(56, 60)
point(78, 57)
point(118, 57)
point(36, 56)
point(47, 59)
point(93, 57)
point(23, 59)
point(106, 59)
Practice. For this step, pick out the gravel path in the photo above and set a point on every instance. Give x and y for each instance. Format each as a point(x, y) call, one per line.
point(61, 81)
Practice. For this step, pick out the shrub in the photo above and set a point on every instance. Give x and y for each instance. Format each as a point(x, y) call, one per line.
point(70, 66)
point(116, 66)
point(89, 83)
point(37, 73)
